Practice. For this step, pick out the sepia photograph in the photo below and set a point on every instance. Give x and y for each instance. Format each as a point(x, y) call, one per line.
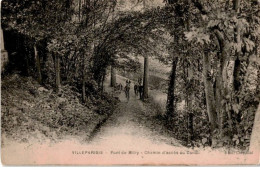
point(130, 82)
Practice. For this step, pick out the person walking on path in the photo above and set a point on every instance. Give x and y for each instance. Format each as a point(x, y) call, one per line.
point(136, 89)
point(127, 90)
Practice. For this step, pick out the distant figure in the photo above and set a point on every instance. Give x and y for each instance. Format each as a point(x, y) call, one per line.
point(141, 91)
point(136, 87)
point(140, 81)
point(116, 87)
point(121, 86)
point(127, 90)
point(128, 82)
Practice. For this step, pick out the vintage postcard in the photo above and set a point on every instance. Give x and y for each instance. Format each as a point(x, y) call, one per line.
point(130, 82)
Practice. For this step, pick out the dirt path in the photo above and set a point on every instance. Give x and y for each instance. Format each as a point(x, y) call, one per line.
point(129, 125)
point(129, 136)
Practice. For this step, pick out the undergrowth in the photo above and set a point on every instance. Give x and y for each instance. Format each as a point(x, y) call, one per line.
point(31, 110)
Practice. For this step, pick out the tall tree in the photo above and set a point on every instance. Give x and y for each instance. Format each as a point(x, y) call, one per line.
point(38, 63)
point(146, 69)
point(145, 78)
point(170, 106)
point(113, 77)
point(209, 92)
point(57, 71)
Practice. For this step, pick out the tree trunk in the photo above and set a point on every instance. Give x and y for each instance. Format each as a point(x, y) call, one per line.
point(236, 79)
point(146, 68)
point(237, 65)
point(221, 84)
point(57, 72)
point(210, 101)
point(27, 59)
point(83, 87)
point(218, 97)
point(84, 80)
point(102, 82)
point(191, 92)
point(236, 74)
point(113, 77)
point(170, 96)
point(145, 79)
point(220, 102)
point(38, 64)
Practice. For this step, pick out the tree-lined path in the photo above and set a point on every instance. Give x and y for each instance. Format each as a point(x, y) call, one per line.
point(132, 124)
point(198, 61)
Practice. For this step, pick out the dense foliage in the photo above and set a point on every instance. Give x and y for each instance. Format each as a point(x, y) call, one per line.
point(211, 46)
